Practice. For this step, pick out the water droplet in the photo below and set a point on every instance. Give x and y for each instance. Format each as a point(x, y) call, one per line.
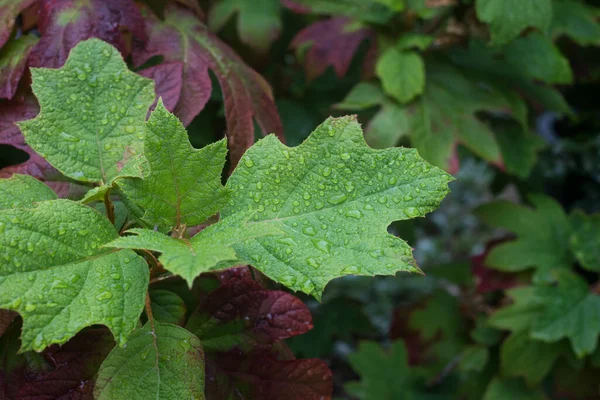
point(287, 241)
point(69, 138)
point(392, 180)
point(106, 53)
point(337, 199)
point(376, 253)
point(83, 232)
point(30, 246)
point(144, 354)
point(248, 162)
point(259, 185)
point(352, 269)
point(322, 245)
point(349, 186)
point(382, 199)
point(104, 296)
point(116, 277)
point(130, 129)
point(82, 77)
point(308, 286)
point(345, 156)
point(411, 212)
point(2, 227)
point(326, 171)
point(61, 230)
point(30, 307)
point(354, 214)
point(309, 230)
point(286, 154)
point(16, 302)
point(312, 262)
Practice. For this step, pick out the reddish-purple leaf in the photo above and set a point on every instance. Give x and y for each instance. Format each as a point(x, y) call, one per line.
point(6, 317)
point(261, 376)
point(68, 371)
point(167, 82)
point(331, 42)
point(13, 60)
point(9, 10)
point(64, 23)
point(243, 313)
point(182, 37)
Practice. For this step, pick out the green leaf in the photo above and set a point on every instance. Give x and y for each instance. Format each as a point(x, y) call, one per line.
point(519, 149)
point(161, 361)
point(473, 359)
point(384, 374)
point(508, 18)
point(374, 11)
point(92, 110)
point(537, 57)
point(56, 275)
point(211, 248)
point(576, 20)
point(585, 239)
point(519, 316)
point(531, 359)
point(551, 313)
point(402, 74)
point(23, 191)
point(132, 169)
point(333, 197)
point(183, 185)
point(13, 61)
point(414, 41)
point(542, 236)
point(167, 306)
point(388, 125)
point(258, 23)
point(513, 389)
point(570, 311)
point(446, 114)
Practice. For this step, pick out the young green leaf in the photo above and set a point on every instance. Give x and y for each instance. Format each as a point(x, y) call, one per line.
point(542, 236)
point(532, 359)
point(161, 361)
point(258, 23)
point(13, 60)
point(58, 278)
point(402, 74)
point(508, 18)
point(514, 389)
point(92, 110)
point(577, 20)
point(183, 185)
point(388, 125)
point(23, 191)
point(374, 11)
point(570, 311)
point(551, 313)
point(384, 374)
point(585, 239)
point(167, 306)
point(446, 115)
point(210, 249)
point(333, 197)
point(537, 57)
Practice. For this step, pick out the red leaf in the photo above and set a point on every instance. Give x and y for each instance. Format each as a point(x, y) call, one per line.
point(332, 42)
point(69, 372)
point(6, 317)
point(247, 96)
point(167, 79)
point(261, 376)
point(64, 23)
point(15, 55)
point(24, 107)
point(487, 279)
point(9, 10)
point(241, 312)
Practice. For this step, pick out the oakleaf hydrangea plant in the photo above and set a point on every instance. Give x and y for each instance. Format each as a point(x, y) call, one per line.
point(301, 216)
